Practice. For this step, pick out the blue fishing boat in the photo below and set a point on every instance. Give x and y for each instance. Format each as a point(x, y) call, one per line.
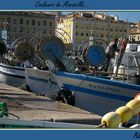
point(87, 91)
point(96, 94)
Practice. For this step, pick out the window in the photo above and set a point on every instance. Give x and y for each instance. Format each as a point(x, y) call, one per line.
point(102, 35)
point(33, 21)
point(86, 34)
point(82, 34)
point(21, 21)
point(44, 22)
point(76, 33)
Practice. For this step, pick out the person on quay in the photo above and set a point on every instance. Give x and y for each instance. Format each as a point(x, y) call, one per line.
point(110, 53)
point(120, 55)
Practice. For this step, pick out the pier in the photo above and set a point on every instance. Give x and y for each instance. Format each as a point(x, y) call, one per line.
point(29, 106)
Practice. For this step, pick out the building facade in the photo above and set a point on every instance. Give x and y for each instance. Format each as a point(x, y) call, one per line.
point(83, 26)
point(19, 24)
point(134, 36)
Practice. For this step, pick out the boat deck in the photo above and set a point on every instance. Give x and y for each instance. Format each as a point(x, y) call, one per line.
point(28, 106)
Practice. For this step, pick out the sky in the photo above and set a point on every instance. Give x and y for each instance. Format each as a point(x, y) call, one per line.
point(130, 16)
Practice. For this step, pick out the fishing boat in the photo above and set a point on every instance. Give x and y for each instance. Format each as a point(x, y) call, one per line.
point(96, 94)
point(91, 92)
point(41, 82)
point(12, 75)
point(13, 60)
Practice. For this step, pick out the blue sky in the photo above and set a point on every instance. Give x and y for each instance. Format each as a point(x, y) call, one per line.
point(130, 16)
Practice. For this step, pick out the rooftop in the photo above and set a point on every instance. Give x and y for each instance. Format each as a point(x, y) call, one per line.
point(93, 15)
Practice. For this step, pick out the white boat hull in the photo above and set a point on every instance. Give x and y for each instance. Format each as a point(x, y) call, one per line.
point(12, 75)
point(41, 82)
point(96, 94)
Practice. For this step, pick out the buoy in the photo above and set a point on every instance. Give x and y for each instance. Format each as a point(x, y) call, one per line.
point(125, 113)
point(111, 120)
point(137, 96)
point(134, 105)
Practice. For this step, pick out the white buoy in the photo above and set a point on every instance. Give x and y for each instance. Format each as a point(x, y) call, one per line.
point(111, 120)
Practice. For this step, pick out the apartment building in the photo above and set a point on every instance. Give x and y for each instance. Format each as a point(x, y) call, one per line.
point(134, 36)
point(85, 25)
point(18, 24)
